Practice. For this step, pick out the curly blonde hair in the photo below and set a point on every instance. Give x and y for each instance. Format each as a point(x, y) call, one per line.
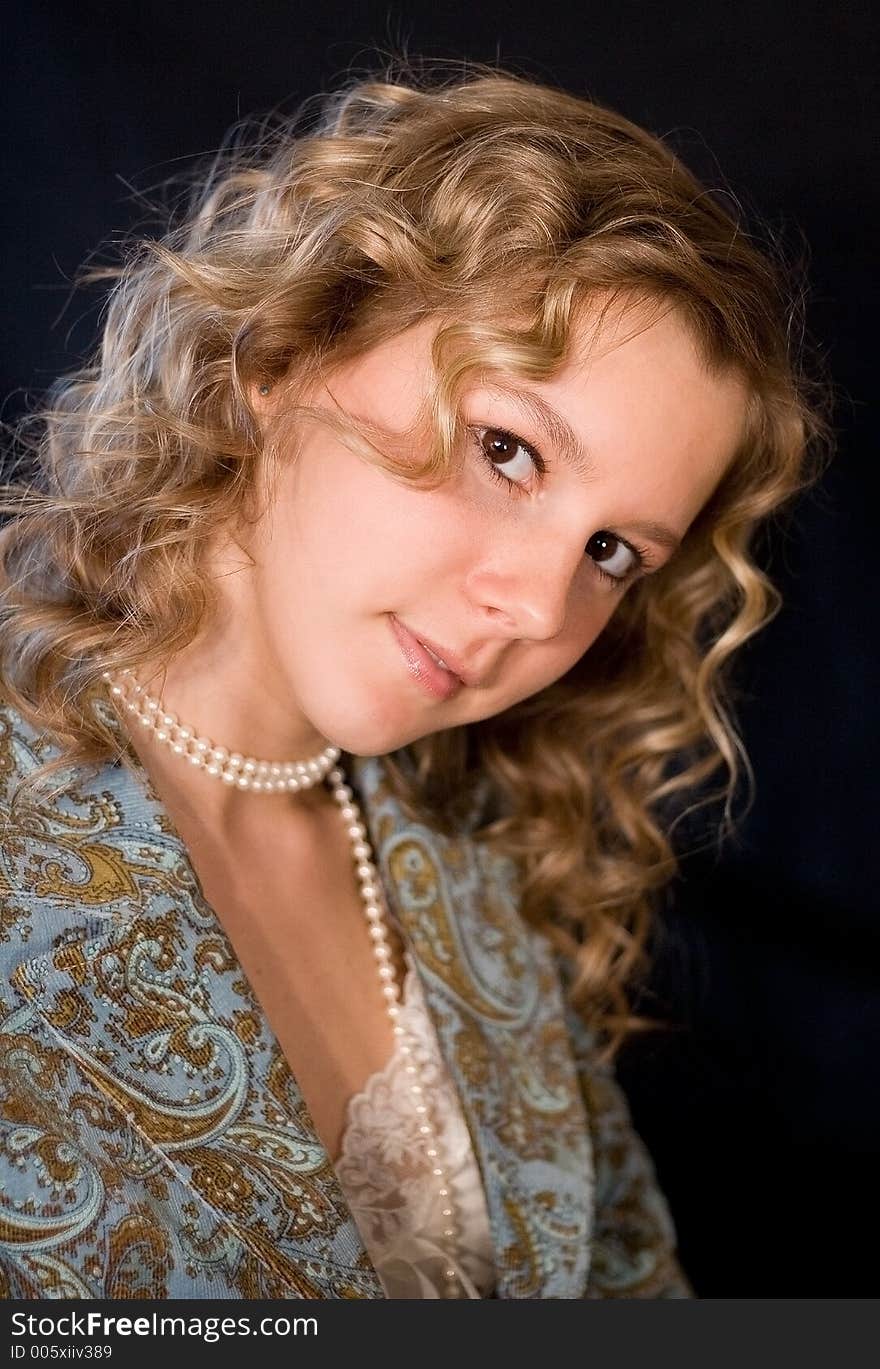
point(296, 250)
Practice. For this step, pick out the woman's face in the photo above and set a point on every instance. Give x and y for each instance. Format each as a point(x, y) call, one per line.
point(504, 580)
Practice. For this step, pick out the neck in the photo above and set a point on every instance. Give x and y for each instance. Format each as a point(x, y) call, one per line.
point(225, 687)
point(181, 758)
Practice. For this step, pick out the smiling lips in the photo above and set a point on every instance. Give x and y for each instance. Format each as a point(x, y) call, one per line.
point(424, 665)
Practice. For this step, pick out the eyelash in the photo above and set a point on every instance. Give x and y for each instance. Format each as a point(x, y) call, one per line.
point(616, 582)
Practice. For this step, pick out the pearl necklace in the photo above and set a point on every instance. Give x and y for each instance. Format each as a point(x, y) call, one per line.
point(246, 772)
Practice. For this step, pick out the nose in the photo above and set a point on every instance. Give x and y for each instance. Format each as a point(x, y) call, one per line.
point(526, 590)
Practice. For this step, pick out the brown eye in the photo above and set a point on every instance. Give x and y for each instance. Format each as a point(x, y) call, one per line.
point(614, 556)
point(508, 457)
point(500, 444)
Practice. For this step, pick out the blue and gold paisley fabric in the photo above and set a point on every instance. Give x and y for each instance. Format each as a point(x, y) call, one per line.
point(153, 1141)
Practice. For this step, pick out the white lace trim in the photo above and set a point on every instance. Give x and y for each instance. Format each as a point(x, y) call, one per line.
point(387, 1178)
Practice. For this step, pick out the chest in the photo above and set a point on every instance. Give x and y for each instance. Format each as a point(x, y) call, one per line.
point(291, 907)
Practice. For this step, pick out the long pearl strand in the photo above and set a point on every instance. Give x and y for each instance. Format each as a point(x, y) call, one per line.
point(246, 772)
point(371, 893)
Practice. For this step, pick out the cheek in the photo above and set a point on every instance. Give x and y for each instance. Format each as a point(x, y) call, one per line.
point(591, 608)
point(577, 642)
point(412, 542)
point(341, 518)
point(542, 664)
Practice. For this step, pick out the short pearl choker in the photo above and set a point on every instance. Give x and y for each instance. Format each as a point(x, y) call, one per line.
point(246, 772)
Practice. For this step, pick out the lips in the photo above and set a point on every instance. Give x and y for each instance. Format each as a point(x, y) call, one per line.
point(438, 659)
point(423, 663)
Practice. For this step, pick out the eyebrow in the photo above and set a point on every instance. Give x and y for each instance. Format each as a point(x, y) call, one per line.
point(564, 438)
point(552, 424)
point(656, 532)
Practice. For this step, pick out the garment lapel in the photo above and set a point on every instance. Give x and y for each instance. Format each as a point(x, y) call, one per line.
point(172, 1077)
point(494, 995)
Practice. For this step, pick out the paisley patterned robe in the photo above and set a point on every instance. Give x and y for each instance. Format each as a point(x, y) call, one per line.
point(153, 1142)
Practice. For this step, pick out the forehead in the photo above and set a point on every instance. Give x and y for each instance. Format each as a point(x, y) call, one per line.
point(637, 389)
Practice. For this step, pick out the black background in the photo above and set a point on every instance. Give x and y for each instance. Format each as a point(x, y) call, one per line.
point(762, 1113)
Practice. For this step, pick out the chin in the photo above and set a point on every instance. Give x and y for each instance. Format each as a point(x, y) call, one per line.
point(370, 741)
point(365, 732)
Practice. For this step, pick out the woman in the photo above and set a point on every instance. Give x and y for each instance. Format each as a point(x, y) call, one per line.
point(413, 486)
